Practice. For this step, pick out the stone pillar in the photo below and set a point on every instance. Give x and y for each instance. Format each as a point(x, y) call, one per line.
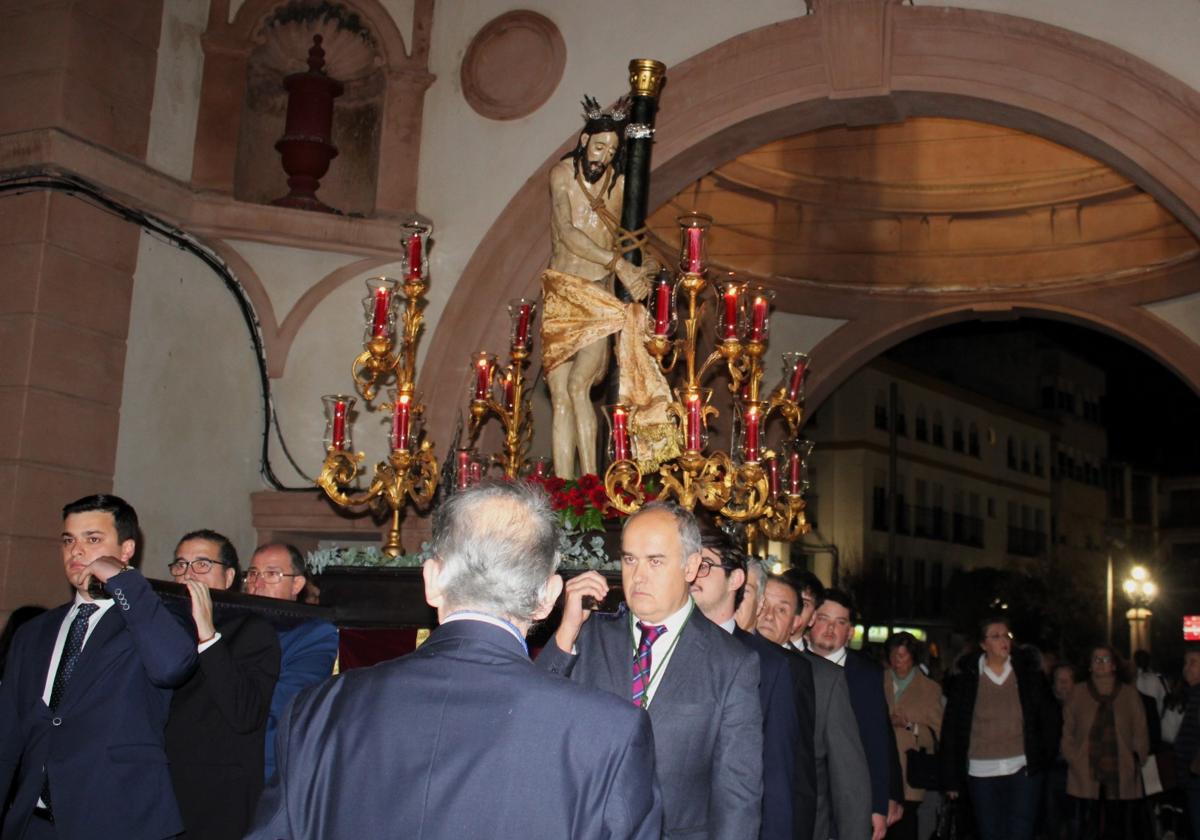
point(66, 276)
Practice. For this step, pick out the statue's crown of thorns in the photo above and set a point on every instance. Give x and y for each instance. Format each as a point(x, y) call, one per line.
point(618, 113)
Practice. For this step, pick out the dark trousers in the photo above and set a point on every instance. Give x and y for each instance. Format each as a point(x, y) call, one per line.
point(1193, 809)
point(1107, 819)
point(1006, 806)
point(1056, 805)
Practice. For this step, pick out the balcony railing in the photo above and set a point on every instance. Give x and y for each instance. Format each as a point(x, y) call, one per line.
point(929, 523)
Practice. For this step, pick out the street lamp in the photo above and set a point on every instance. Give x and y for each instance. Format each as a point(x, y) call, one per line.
point(1140, 589)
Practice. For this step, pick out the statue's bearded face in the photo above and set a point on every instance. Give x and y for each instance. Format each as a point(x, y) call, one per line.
point(599, 150)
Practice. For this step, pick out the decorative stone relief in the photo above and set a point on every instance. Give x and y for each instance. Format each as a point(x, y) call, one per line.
point(512, 65)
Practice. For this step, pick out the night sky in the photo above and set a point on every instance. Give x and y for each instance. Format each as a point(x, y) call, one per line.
point(1152, 416)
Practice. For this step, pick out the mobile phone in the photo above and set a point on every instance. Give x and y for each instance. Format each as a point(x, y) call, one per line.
point(97, 591)
point(610, 604)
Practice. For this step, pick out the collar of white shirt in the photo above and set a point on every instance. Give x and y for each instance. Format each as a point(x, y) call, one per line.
point(471, 615)
point(998, 680)
point(728, 626)
point(838, 657)
point(673, 623)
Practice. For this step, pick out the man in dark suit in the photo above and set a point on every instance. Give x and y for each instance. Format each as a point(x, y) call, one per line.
point(698, 682)
point(307, 651)
point(829, 637)
point(219, 717)
point(843, 806)
point(718, 590)
point(86, 688)
point(465, 738)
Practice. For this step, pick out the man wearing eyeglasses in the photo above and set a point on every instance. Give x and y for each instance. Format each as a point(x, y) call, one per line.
point(217, 725)
point(307, 651)
point(718, 589)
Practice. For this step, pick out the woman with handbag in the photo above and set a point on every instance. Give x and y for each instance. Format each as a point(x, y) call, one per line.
point(1105, 741)
point(915, 705)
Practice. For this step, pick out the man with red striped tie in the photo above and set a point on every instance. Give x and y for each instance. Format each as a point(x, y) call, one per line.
point(699, 684)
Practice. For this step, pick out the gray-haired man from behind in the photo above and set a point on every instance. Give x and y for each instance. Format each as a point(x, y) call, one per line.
point(465, 737)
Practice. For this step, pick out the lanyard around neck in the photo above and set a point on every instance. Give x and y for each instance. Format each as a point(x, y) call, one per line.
point(661, 661)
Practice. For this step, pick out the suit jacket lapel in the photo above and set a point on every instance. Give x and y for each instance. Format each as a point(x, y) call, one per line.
point(687, 660)
point(617, 651)
point(94, 657)
point(42, 650)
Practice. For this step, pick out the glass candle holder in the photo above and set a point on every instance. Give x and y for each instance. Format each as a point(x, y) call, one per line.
point(731, 311)
point(381, 305)
point(760, 314)
point(695, 425)
point(483, 365)
point(750, 414)
point(660, 308)
point(795, 371)
point(415, 238)
point(406, 420)
point(620, 432)
point(337, 421)
point(693, 247)
point(521, 311)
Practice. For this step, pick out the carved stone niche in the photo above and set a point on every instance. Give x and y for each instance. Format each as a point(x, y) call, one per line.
point(352, 56)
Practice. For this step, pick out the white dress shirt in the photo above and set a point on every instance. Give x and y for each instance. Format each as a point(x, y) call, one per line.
point(64, 630)
point(661, 649)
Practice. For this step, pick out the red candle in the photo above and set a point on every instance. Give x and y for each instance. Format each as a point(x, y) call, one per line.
point(758, 325)
point(539, 468)
point(379, 319)
point(620, 434)
point(483, 378)
point(730, 322)
point(509, 392)
point(401, 420)
point(662, 308)
point(476, 472)
point(695, 238)
point(338, 438)
point(693, 422)
point(773, 476)
point(463, 472)
point(797, 378)
point(794, 465)
point(750, 450)
point(523, 324)
point(414, 257)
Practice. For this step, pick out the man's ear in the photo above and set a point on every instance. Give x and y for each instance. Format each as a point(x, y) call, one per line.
point(298, 585)
point(691, 566)
point(553, 588)
point(737, 579)
point(431, 570)
point(230, 577)
point(128, 549)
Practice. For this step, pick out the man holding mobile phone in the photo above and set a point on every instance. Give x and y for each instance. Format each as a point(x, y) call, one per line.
point(84, 699)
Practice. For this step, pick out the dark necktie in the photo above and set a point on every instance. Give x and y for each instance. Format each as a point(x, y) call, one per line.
point(66, 668)
point(641, 661)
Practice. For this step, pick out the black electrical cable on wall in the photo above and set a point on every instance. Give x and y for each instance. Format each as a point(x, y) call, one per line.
point(30, 180)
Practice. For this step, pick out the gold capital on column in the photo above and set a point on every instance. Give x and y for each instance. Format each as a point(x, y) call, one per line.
point(646, 76)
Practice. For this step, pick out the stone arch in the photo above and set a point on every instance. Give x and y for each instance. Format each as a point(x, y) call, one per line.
point(865, 62)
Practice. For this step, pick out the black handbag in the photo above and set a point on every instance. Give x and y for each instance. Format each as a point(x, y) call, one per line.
point(948, 826)
point(923, 769)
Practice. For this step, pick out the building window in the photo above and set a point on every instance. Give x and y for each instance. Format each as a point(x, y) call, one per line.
point(973, 440)
point(881, 411)
point(1037, 461)
point(939, 433)
point(901, 419)
point(1012, 454)
point(921, 432)
point(1025, 456)
point(957, 441)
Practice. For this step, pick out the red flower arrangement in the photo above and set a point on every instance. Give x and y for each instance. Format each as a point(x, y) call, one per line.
point(582, 503)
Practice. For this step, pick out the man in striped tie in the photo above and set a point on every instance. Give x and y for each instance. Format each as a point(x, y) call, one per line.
point(699, 684)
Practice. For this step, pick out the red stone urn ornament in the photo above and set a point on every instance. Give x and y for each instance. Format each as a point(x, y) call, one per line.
point(305, 146)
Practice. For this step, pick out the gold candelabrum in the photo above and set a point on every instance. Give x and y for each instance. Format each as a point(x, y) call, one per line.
point(410, 472)
point(757, 487)
point(503, 393)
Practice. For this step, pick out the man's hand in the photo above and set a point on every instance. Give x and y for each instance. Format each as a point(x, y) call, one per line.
point(878, 826)
point(635, 278)
point(102, 568)
point(952, 795)
point(202, 610)
point(895, 812)
point(588, 583)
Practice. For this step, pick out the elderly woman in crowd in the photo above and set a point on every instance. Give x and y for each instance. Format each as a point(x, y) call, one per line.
point(999, 735)
point(915, 705)
point(1105, 742)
